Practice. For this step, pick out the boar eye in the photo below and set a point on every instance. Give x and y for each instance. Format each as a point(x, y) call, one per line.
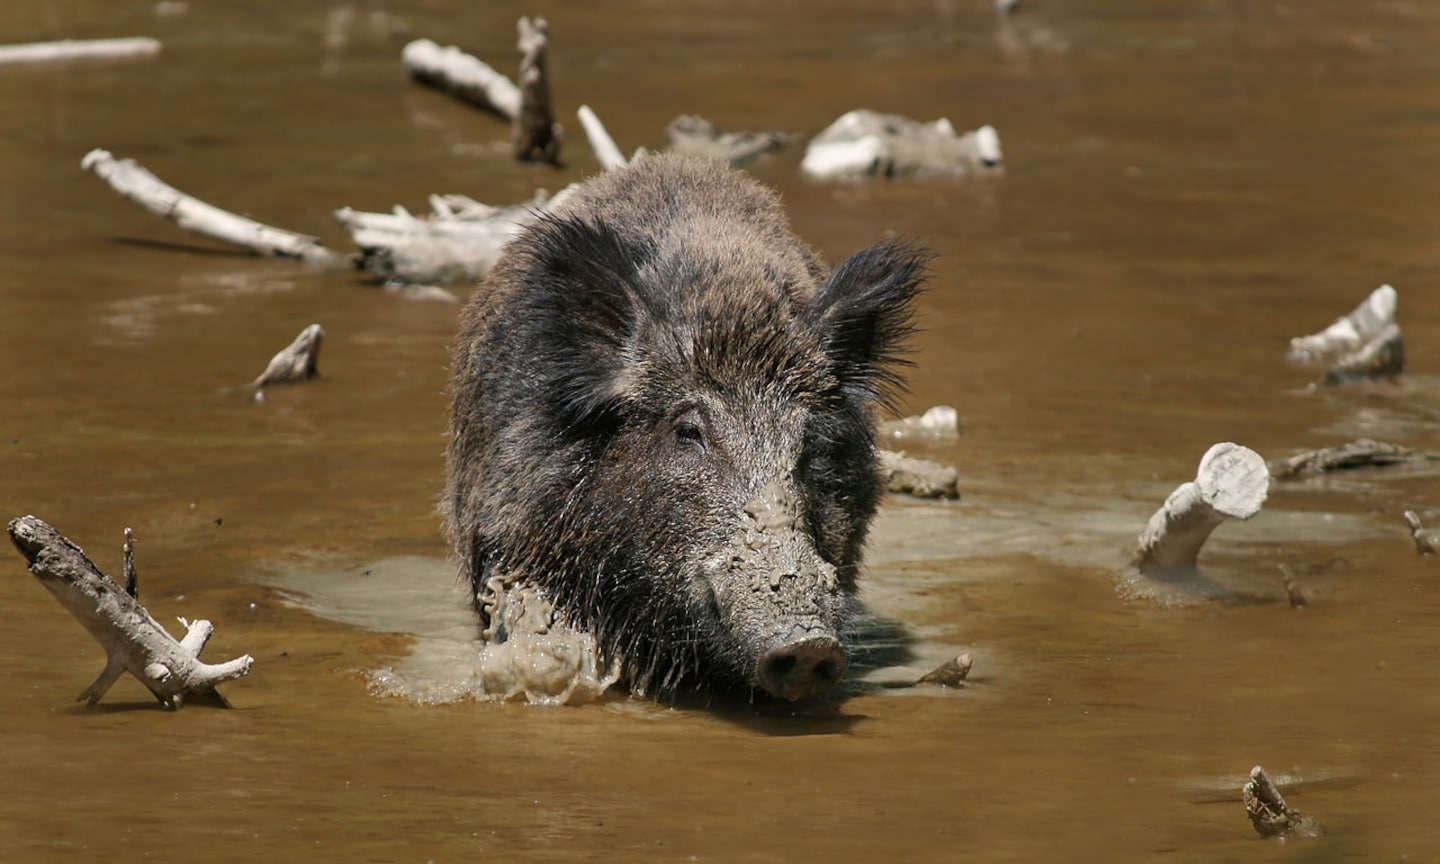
point(690, 430)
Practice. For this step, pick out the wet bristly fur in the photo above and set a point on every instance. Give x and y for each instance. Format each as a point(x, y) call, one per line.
point(640, 363)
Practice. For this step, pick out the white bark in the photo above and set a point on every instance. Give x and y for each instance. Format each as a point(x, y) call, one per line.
point(1426, 542)
point(606, 151)
point(133, 181)
point(867, 144)
point(79, 49)
point(1366, 343)
point(937, 423)
point(298, 361)
point(459, 242)
point(1231, 483)
point(1351, 331)
point(134, 642)
point(463, 76)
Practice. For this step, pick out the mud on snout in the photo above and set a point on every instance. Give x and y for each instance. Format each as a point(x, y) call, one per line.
point(781, 602)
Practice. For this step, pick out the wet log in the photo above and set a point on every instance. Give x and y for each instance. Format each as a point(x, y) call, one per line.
point(1426, 542)
point(1360, 453)
point(1364, 344)
point(134, 642)
point(869, 144)
point(918, 477)
point(606, 151)
point(457, 243)
point(537, 135)
point(79, 49)
point(696, 136)
point(1270, 814)
point(1231, 483)
point(130, 179)
point(298, 361)
point(938, 423)
point(463, 76)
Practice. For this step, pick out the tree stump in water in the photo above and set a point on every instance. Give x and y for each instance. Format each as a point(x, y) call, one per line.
point(1231, 483)
point(537, 136)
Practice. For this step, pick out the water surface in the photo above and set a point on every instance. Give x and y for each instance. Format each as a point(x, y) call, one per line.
point(1189, 184)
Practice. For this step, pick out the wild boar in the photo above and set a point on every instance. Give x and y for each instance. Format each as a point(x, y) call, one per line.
point(663, 418)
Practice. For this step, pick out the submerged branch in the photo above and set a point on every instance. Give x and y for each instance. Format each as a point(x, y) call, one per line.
point(463, 76)
point(130, 179)
point(1270, 814)
point(1426, 542)
point(79, 49)
point(1363, 344)
point(134, 642)
point(298, 361)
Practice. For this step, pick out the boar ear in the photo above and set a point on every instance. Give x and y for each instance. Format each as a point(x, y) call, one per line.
point(585, 306)
point(863, 316)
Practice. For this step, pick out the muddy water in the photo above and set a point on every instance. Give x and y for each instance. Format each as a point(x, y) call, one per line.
point(1189, 185)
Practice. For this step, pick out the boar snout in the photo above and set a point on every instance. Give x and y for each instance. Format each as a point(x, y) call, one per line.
point(802, 668)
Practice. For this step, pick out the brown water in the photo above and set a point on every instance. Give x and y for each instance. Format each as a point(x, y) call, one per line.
point(1189, 185)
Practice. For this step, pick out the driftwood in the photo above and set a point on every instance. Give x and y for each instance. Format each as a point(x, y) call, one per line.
point(868, 144)
point(606, 151)
point(537, 135)
point(459, 242)
point(696, 136)
point(1360, 453)
point(1427, 542)
point(463, 76)
point(79, 49)
point(1270, 814)
point(131, 180)
point(1231, 483)
point(134, 642)
point(1362, 345)
point(938, 423)
point(298, 361)
point(918, 477)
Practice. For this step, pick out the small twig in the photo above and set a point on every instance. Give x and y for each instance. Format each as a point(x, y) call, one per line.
point(1292, 588)
point(951, 673)
point(1426, 542)
point(1269, 813)
point(298, 361)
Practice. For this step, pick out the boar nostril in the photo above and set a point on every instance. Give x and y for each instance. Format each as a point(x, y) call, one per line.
point(799, 670)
